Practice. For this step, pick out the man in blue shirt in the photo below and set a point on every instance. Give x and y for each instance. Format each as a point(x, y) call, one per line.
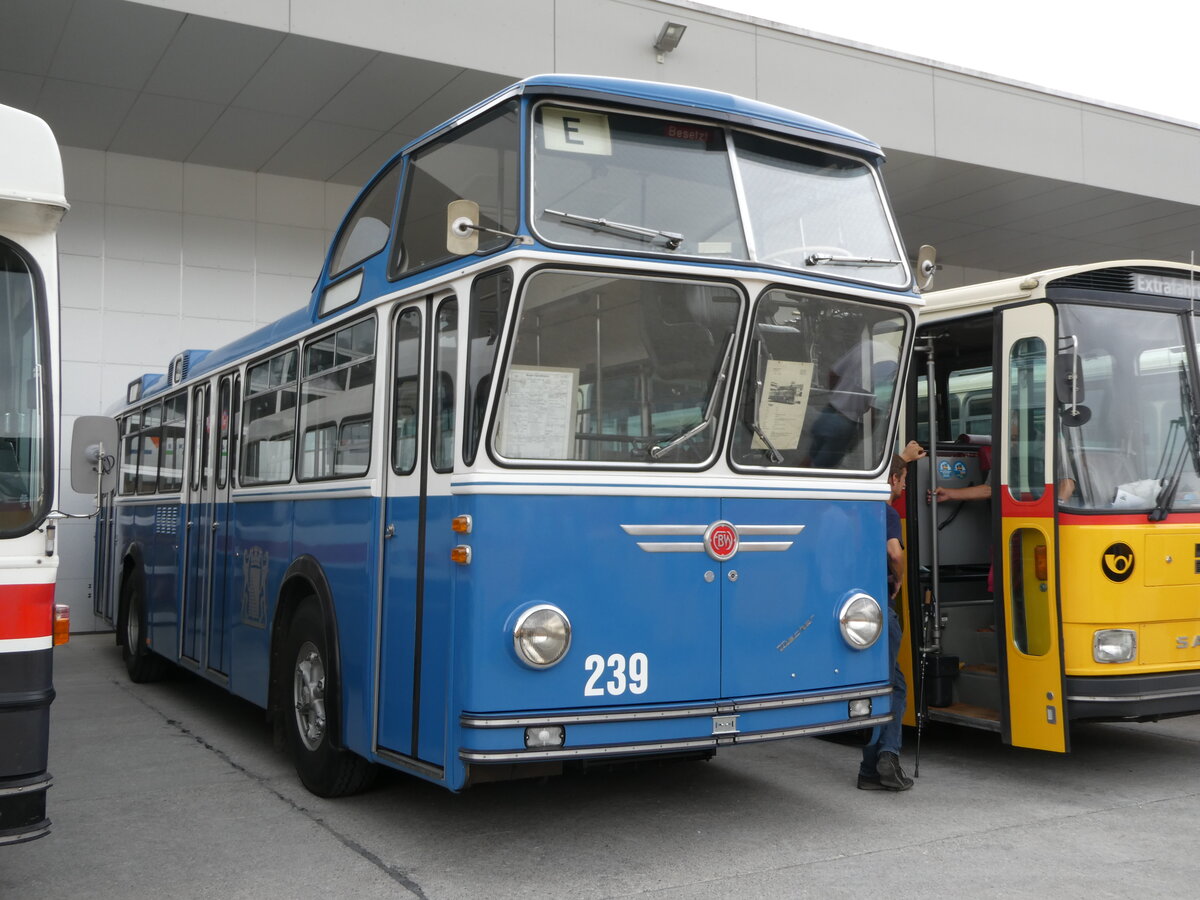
point(880, 768)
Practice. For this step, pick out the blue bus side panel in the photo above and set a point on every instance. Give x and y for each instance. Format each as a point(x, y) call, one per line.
point(411, 668)
point(343, 536)
point(398, 625)
point(436, 621)
point(781, 630)
point(158, 530)
point(262, 534)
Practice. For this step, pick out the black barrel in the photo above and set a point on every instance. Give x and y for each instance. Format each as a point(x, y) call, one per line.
point(26, 692)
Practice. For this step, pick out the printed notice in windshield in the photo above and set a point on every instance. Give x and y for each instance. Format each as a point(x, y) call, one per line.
point(537, 413)
point(784, 403)
point(575, 131)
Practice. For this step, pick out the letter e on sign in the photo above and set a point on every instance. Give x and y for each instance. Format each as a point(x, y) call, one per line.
point(576, 131)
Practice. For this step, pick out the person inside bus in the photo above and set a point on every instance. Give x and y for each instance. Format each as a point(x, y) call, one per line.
point(880, 768)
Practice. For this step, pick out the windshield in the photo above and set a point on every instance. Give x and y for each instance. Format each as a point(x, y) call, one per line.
point(613, 369)
point(1137, 408)
point(644, 184)
point(821, 383)
point(24, 493)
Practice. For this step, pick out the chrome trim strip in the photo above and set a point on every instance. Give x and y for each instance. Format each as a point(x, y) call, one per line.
point(769, 529)
point(847, 696)
point(412, 765)
point(501, 756)
point(1125, 698)
point(663, 530)
point(869, 721)
point(683, 712)
point(743, 531)
point(340, 493)
point(622, 749)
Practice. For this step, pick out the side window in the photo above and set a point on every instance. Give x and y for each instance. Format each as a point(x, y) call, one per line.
point(199, 437)
point(489, 305)
point(174, 440)
point(147, 477)
point(269, 420)
point(445, 364)
point(406, 415)
point(366, 231)
point(1031, 606)
point(477, 162)
point(336, 396)
point(1027, 419)
point(131, 450)
point(223, 433)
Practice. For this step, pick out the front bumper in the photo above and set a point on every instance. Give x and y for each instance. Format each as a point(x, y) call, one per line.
point(1133, 697)
point(635, 731)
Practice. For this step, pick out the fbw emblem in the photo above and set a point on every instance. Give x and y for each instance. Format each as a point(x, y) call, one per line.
point(721, 540)
point(254, 587)
point(1117, 562)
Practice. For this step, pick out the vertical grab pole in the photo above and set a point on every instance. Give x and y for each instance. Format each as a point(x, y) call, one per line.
point(933, 635)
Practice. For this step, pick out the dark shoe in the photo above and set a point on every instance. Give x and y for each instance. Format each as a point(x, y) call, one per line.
point(869, 783)
point(891, 776)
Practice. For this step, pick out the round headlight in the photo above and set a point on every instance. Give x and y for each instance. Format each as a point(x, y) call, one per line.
point(542, 635)
point(861, 621)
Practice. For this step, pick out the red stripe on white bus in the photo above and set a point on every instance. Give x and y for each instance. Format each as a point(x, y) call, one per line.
point(26, 611)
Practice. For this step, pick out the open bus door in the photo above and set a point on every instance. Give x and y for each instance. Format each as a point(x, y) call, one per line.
point(1027, 597)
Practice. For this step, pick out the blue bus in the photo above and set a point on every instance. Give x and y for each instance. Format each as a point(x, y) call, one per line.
point(577, 452)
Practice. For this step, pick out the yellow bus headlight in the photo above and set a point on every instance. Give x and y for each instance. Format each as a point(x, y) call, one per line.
point(1114, 645)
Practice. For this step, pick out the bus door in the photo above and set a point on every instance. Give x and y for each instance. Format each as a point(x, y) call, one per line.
point(217, 654)
point(414, 622)
point(1027, 592)
point(198, 530)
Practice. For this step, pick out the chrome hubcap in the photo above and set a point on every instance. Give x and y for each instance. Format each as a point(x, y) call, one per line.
point(308, 694)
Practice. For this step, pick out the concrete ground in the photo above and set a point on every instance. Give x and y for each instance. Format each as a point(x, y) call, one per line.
point(174, 789)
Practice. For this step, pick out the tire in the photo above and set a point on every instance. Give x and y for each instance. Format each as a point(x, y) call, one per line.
point(142, 664)
point(324, 769)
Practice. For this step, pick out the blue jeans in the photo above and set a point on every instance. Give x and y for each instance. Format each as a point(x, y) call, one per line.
point(886, 738)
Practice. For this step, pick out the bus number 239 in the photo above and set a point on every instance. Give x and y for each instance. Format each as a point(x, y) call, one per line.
point(631, 675)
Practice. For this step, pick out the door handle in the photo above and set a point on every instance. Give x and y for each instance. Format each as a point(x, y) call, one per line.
point(390, 531)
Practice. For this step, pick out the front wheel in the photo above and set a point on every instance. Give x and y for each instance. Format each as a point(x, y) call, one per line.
point(324, 769)
point(142, 664)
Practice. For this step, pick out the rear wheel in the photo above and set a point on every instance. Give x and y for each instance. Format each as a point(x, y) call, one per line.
point(324, 769)
point(142, 664)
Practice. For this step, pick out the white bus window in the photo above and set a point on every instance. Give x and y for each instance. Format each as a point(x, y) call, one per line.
point(269, 421)
point(338, 386)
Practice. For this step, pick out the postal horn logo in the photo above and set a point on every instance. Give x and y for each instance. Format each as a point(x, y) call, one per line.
point(1117, 562)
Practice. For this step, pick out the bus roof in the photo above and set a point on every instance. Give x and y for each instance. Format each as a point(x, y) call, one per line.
point(718, 104)
point(987, 294)
point(31, 191)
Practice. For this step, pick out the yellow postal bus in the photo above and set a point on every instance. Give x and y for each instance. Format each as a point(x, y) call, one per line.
point(1054, 573)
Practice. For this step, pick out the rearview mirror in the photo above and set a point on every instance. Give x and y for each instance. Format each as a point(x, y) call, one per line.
point(94, 455)
point(462, 227)
point(926, 264)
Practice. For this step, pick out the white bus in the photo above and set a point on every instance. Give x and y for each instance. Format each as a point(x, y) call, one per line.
point(32, 203)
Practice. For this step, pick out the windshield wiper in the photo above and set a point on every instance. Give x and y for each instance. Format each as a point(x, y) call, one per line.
point(821, 259)
point(671, 238)
point(1190, 442)
point(710, 410)
point(750, 410)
